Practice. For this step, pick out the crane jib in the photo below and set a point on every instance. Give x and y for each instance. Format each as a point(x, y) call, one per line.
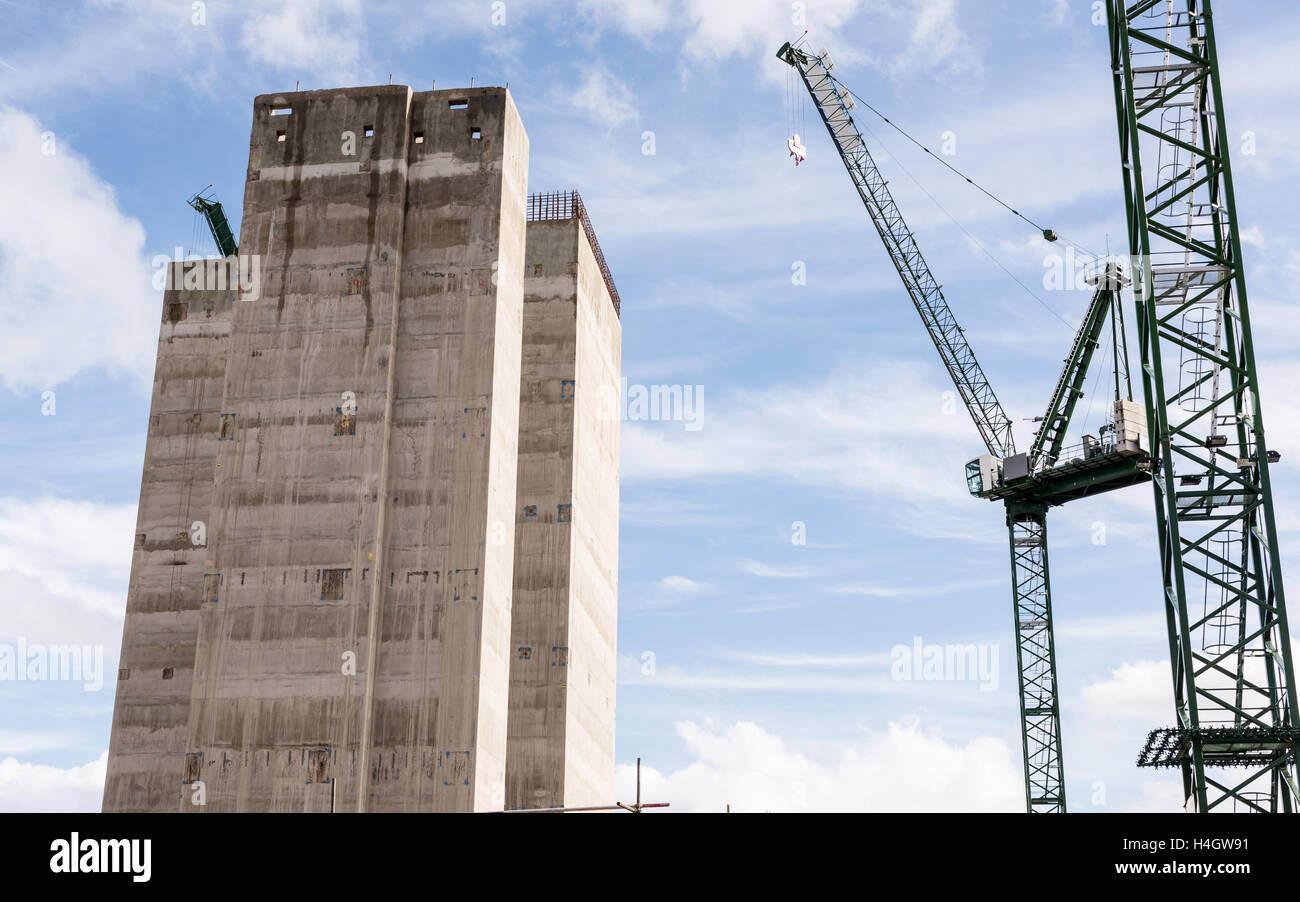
point(834, 104)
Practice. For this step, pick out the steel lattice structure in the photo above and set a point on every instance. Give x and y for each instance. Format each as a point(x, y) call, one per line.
point(1040, 713)
point(1229, 646)
point(835, 106)
point(1201, 444)
point(1035, 650)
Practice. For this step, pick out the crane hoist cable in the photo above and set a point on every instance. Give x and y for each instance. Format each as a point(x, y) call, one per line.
point(924, 290)
point(999, 201)
point(1048, 234)
point(967, 233)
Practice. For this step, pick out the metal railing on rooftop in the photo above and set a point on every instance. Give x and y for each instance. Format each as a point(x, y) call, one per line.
point(560, 205)
point(1105, 443)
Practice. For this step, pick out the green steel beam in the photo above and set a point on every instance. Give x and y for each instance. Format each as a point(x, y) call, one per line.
point(1224, 602)
point(1069, 388)
point(1064, 484)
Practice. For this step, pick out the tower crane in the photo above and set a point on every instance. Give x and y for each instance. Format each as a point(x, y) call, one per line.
point(1229, 643)
point(1027, 483)
point(1234, 681)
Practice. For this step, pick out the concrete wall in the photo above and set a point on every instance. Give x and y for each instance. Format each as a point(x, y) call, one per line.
point(403, 449)
point(349, 636)
point(296, 497)
point(440, 695)
point(151, 715)
point(593, 607)
point(563, 631)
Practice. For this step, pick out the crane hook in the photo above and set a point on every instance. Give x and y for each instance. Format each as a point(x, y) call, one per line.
point(797, 150)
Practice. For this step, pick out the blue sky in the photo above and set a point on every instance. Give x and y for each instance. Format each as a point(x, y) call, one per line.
point(823, 402)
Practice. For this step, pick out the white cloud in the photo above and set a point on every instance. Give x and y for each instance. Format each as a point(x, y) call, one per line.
point(1279, 381)
point(1138, 691)
point(1159, 796)
point(719, 29)
point(21, 742)
point(663, 512)
point(936, 43)
point(767, 571)
point(879, 430)
point(491, 25)
point(39, 787)
point(901, 768)
point(64, 568)
point(681, 585)
point(868, 681)
point(773, 674)
point(873, 590)
point(1144, 627)
point(117, 43)
point(876, 590)
point(875, 660)
point(74, 274)
point(318, 37)
point(667, 595)
point(927, 33)
point(1057, 13)
point(603, 98)
point(638, 18)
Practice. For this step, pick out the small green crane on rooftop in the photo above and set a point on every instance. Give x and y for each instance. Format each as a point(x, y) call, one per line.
point(206, 203)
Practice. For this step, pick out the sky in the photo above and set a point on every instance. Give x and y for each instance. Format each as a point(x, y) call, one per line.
point(780, 554)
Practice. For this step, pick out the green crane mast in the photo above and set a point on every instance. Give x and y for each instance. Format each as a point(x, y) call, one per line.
point(1027, 483)
point(1229, 645)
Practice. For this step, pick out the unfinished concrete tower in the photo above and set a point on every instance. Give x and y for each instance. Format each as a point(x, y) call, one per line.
point(151, 716)
point(563, 630)
point(345, 431)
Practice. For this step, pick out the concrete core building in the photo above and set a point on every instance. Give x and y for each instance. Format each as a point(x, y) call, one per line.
point(320, 612)
point(564, 631)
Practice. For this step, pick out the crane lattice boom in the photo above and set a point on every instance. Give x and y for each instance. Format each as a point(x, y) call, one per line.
point(835, 105)
point(1029, 484)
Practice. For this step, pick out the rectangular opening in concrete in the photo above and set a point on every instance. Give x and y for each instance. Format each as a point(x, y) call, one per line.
point(419, 137)
point(475, 133)
point(458, 104)
point(281, 111)
point(318, 765)
point(345, 422)
point(331, 585)
point(369, 131)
